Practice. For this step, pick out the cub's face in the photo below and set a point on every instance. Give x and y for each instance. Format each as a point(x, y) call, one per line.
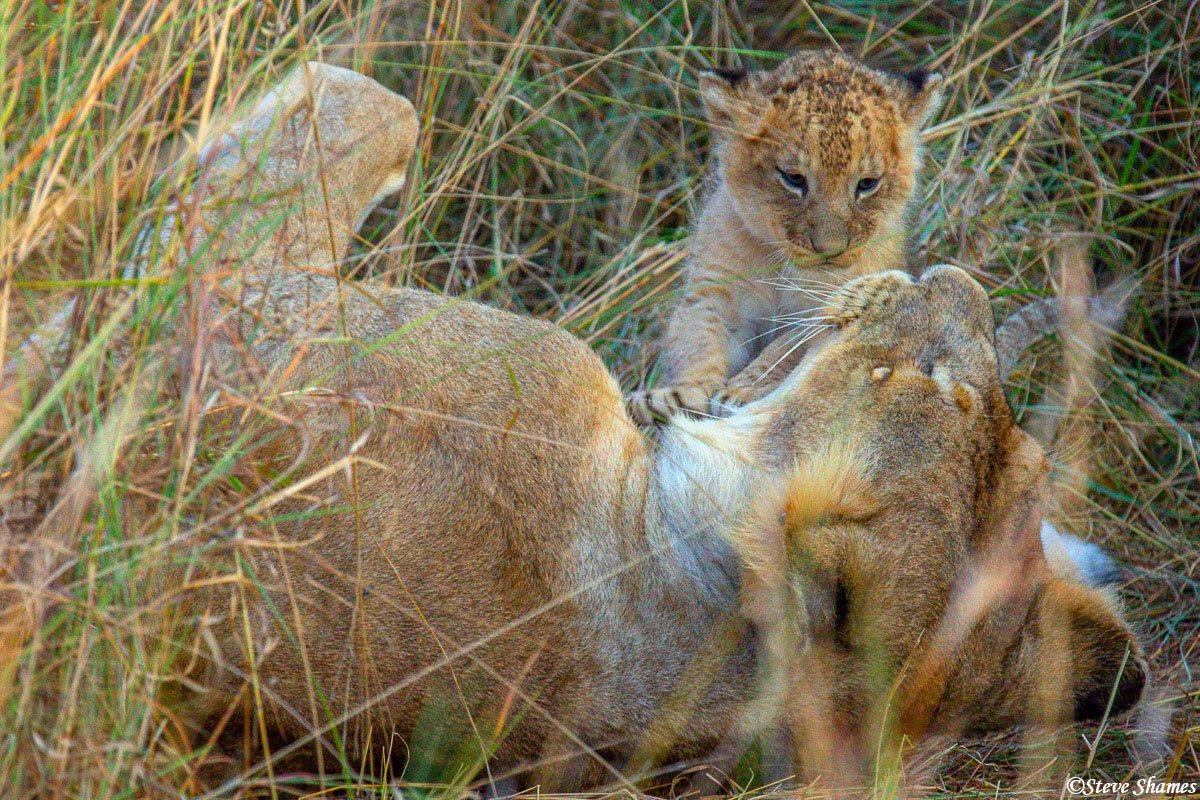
point(821, 153)
point(928, 601)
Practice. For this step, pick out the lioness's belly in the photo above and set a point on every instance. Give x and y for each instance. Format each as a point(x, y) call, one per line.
point(428, 569)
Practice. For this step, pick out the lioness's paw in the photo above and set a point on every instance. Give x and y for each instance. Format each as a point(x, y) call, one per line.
point(1073, 556)
point(651, 406)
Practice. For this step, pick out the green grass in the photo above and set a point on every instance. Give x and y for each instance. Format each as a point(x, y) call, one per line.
point(561, 160)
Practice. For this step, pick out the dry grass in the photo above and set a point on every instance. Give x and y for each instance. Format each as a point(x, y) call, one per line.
point(561, 161)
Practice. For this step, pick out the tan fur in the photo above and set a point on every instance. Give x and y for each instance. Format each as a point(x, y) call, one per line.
point(464, 532)
point(930, 613)
point(509, 534)
point(453, 532)
point(291, 181)
point(274, 188)
point(763, 255)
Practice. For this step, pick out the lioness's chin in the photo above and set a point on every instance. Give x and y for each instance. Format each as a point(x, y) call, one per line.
point(782, 391)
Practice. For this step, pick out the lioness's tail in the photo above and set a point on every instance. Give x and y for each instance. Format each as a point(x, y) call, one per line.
point(28, 369)
point(1026, 326)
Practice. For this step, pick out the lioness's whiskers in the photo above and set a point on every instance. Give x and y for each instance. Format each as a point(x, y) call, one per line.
point(792, 280)
point(812, 315)
point(802, 326)
point(776, 257)
point(800, 341)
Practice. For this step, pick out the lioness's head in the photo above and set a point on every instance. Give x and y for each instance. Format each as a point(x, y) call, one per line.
point(909, 543)
point(821, 153)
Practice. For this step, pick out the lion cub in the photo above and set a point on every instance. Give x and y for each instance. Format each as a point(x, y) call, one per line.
point(817, 163)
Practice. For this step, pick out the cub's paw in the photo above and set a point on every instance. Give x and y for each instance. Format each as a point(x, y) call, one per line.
point(731, 398)
point(652, 406)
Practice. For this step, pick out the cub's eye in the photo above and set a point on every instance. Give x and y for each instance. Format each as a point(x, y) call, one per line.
point(867, 185)
point(794, 181)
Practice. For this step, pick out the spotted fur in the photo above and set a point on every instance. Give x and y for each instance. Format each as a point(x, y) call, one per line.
point(765, 253)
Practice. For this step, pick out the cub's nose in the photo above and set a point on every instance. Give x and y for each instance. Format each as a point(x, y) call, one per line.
point(829, 236)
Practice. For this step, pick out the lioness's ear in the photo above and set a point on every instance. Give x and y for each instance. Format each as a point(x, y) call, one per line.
point(923, 98)
point(1102, 660)
point(729, 101)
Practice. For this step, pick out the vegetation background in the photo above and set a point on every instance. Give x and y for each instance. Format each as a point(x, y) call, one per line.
point(563, 155)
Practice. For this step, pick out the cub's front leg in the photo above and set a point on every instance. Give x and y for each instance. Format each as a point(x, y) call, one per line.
point(696, 356)
point(762, 375)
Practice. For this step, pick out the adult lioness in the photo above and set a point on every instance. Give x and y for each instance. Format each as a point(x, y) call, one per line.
point(910, 546)
point(506, 560)
point(460, 537)
point(466, 534)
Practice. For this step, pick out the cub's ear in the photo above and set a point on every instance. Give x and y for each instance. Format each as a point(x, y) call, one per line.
point(1095, 646)
point(923, 96)
point(729, 100)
